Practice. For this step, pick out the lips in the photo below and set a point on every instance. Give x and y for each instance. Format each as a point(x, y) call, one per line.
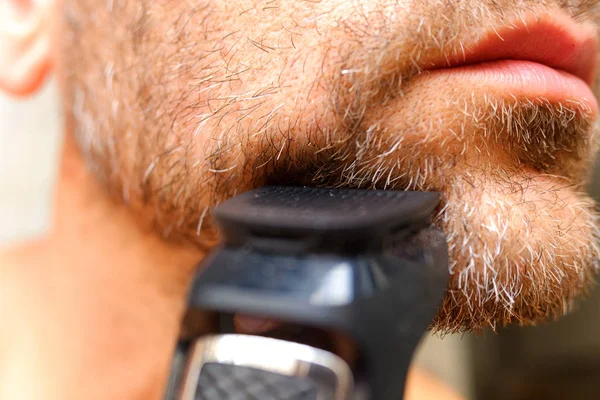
point(554, 40)
point(551, 57)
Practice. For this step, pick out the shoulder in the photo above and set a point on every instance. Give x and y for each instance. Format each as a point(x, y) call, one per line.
point(421, 385)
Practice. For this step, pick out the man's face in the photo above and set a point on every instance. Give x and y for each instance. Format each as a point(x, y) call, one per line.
point(177, 105)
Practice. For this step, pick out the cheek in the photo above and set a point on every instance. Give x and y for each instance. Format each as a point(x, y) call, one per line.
point(280, 68)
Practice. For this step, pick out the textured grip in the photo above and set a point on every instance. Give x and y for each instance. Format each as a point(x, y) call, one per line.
point(246, 367)
point(230, 382)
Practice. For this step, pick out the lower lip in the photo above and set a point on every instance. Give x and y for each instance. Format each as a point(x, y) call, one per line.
point(526, 80)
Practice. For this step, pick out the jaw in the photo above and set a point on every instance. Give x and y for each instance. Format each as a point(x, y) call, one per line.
point(521, 232)
point(523, 244)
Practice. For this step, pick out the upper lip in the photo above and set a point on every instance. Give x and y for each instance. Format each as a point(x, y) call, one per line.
point(554, 40)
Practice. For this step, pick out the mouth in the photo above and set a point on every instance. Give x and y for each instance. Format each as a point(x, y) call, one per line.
point(550, 57)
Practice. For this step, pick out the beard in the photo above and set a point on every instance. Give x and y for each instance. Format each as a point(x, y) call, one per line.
point(172, 133)
point(521, 232)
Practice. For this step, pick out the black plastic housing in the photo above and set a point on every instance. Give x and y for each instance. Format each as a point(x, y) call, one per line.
point(364, 263)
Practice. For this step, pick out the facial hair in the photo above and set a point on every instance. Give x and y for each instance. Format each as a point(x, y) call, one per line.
point(185, 113)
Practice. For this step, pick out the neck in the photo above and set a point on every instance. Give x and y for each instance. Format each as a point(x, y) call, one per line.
point(113, 289)
point(92, 311)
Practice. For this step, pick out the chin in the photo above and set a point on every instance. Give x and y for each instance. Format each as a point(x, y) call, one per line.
point(523, 248)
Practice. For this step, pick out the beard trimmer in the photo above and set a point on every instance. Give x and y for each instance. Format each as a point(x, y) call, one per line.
point(366, 264)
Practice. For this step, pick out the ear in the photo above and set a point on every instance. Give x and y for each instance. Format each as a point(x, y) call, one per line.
point(25, 59)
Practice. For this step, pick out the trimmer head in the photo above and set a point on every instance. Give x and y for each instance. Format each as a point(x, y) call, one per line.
point(363, 263)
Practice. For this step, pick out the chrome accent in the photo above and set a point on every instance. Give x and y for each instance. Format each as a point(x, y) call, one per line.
point(267, 354)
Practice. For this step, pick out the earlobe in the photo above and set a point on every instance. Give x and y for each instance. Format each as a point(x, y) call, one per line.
point(24, 46)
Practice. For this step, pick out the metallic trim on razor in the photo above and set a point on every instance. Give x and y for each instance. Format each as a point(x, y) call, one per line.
point(270, 355)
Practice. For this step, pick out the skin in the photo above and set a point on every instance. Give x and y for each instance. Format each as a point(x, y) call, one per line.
point(169, 110)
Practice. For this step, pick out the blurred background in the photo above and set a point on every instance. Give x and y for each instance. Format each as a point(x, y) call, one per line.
point(560, 360)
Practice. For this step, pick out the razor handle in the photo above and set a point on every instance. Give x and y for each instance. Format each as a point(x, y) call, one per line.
point(364, 264)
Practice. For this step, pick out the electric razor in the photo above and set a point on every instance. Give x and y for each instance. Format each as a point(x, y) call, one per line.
point(365, 265)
